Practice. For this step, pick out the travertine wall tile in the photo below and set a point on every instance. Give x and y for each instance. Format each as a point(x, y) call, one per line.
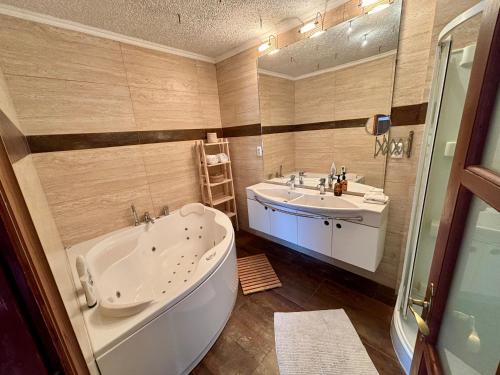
point(90, 191)
point(279, 150)
point(238, 89)
point(315, 98)
point(364, 90)
point(247, 170)
point(6, 104)
point(54, 106)
point(172, 174)
point(37, 50)
point(413, 51)
point(277, 100)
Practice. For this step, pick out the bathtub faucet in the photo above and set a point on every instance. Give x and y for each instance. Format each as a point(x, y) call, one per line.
point(136, 217)
point(148, 218)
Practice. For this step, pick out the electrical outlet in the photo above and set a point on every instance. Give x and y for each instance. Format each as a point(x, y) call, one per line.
point(259, 150)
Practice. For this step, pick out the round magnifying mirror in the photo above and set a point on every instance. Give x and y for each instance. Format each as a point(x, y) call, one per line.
point(378, 124)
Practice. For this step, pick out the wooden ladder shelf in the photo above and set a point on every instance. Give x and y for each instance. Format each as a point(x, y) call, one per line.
point(217, 192)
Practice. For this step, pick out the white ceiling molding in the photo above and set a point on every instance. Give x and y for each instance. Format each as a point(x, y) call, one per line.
point(9, 10)
point(322, 71)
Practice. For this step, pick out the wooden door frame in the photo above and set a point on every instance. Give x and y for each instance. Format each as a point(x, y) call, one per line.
point(467, 178)
point(25, 258)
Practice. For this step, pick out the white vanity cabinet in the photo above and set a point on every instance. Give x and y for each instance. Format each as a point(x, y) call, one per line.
point(301, 219)
point(258, 216)
point(283, 225)
point(357, 244)
point(315, 234)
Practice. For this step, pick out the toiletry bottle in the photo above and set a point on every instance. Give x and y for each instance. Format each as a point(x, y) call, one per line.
point(344, 182)
point(337, 190)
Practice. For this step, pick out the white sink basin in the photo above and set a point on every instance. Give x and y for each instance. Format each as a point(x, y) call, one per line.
point(280, 195)
point(320, 202)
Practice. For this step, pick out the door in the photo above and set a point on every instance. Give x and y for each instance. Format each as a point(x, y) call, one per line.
point(459, 325)
point(258, 216)
point(18, 347)
point(315, 234)
point(284, 225)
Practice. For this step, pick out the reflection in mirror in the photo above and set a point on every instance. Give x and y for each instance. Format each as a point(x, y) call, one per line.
point(378, 124)
point(316, 96)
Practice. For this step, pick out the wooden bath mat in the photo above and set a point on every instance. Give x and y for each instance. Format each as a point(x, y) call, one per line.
point(256, 274)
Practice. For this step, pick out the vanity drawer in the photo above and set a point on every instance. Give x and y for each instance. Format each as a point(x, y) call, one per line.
point(315, 234)
point(357, 244)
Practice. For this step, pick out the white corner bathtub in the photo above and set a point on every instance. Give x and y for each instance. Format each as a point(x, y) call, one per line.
point(165, 291)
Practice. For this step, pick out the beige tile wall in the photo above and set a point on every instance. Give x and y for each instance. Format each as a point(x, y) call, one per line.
point(350, 147)
point(63, 81)
point(315, 99)
point(276, 100)
point(67, 82)
point(248, 169)
point(279, 150)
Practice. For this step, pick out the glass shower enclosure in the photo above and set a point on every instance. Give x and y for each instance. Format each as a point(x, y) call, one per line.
point(454, 57)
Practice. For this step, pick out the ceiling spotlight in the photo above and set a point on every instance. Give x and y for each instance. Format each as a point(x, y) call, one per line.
point(378, 8)
point(317, 33)
point(308, 27)
point(265, 46)
point(365, 40)
point(349, 29)
point(367, 3)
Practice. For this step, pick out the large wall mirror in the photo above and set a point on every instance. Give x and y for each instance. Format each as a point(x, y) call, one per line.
point(317, 95)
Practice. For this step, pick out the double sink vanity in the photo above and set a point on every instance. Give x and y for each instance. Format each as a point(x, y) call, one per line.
point(323, 225)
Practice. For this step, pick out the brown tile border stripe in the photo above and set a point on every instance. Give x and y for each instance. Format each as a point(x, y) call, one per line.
point(82, 141)
point(159, 136)
point(352, 123)
point(242, 130)
point(409, 114)
point(405, 115)
point(14, 141)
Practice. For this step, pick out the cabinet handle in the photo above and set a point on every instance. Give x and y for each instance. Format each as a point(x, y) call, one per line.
point(338, 225)
point(265, 208)
point(326, 222)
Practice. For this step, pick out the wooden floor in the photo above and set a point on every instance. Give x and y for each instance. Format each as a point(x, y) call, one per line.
point(246, 345)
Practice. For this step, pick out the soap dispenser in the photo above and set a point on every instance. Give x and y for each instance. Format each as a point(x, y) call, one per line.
point(344, 182)
point(337, 190)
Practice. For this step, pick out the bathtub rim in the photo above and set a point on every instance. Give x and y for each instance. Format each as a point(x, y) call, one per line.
point(103, 339)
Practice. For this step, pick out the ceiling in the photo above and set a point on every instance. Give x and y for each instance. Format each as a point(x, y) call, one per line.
point(208, 27)
point(338, 45)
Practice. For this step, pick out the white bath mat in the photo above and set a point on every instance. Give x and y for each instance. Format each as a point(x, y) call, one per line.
point(319, 342)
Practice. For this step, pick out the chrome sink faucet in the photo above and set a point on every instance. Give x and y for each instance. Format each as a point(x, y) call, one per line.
point(301, 177)
point(291, 182)
point(321, 186)
point(148, 218)
point(136, 217)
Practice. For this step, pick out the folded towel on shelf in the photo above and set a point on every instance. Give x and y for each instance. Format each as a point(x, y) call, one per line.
point(223, 158)
point(212, 159)
point(375, 197)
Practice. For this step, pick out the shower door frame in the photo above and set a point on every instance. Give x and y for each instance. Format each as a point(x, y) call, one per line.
point(467, 179)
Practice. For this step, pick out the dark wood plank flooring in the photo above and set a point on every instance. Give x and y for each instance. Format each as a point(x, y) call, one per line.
point(246, 345)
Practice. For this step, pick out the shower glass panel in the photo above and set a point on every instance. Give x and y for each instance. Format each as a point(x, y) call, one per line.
point(468, 341)
point(450, 83)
